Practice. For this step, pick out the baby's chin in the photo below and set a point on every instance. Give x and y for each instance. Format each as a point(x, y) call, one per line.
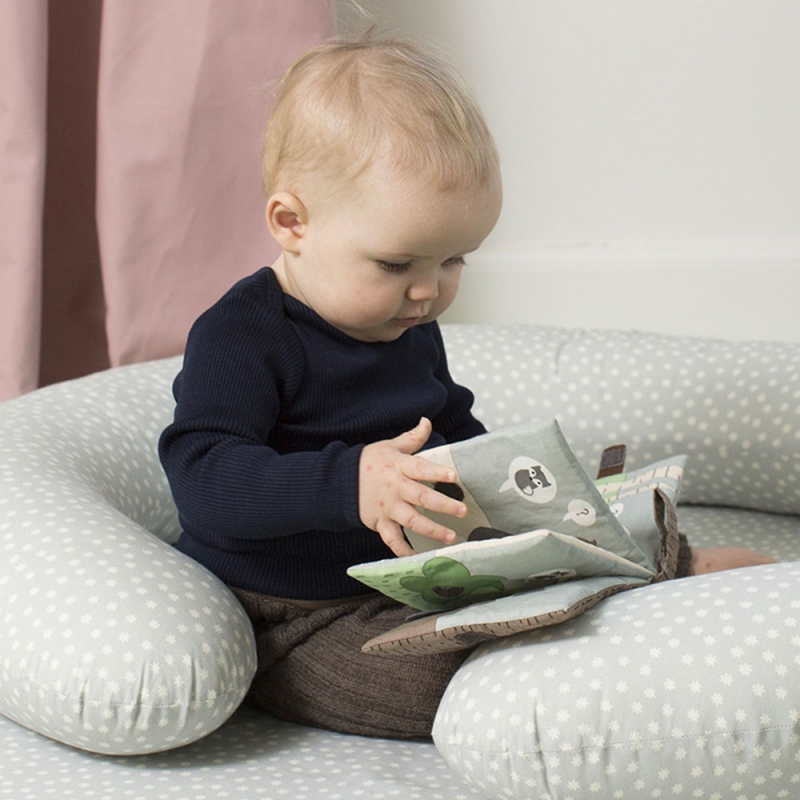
point(385, 331)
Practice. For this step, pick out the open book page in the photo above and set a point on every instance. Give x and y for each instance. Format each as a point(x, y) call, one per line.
point(455, 576)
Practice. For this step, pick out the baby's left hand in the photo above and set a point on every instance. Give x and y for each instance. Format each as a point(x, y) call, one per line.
point(392, 489)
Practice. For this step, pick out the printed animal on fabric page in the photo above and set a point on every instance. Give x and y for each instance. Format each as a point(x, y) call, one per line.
point(523, 478)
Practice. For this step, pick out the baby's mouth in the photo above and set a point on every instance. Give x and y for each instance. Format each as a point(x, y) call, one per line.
point(407, 322)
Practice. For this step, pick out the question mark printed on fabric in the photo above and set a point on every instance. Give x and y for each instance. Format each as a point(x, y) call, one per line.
point(581, 513)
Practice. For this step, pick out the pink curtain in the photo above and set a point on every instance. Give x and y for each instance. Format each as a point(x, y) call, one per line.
point(130, 193)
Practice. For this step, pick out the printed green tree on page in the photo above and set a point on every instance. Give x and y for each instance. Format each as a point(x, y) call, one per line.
point(446, 583)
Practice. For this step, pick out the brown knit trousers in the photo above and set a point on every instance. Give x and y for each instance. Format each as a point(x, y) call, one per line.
point(311, 669)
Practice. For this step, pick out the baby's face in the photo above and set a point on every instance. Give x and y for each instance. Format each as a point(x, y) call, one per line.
point(387, 253)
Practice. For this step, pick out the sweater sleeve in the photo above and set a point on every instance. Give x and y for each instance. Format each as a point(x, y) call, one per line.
point(240, 364)
point(455, 421)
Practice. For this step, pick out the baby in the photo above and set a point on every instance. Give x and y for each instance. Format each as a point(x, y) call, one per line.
point(309, 388)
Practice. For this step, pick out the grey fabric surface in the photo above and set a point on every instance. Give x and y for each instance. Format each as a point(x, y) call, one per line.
point(252, 757)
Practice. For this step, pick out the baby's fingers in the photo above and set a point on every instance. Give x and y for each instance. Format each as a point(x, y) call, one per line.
point(424, 526)
point(418, 468)
point(413, 440)
point(423, 496)
point(393, 538)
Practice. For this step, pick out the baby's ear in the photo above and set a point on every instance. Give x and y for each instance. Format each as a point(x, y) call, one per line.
point(286, 219)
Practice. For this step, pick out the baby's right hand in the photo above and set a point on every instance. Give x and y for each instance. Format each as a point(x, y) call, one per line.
point(391, 488)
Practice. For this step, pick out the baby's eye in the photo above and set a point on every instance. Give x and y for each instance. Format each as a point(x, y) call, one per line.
point(394, 266)
point(457, 261)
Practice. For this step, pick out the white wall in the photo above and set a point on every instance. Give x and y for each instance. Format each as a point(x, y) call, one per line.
point(651, 158)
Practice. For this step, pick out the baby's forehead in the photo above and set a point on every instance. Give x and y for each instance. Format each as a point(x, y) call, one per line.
point(410, 215)
point(379, 186)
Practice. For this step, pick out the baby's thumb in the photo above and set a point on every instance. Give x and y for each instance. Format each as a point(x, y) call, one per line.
point(411, 441)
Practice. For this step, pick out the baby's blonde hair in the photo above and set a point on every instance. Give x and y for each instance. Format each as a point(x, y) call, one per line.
point(342, 105)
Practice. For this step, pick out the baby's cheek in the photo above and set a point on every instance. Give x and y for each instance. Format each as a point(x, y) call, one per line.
point(446, 295)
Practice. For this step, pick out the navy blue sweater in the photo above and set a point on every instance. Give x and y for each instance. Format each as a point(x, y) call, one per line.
point(274, 406)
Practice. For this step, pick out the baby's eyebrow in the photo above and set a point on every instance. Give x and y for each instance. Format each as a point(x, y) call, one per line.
point(401, 257)
point(398, 257)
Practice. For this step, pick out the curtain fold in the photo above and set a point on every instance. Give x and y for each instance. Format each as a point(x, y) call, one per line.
point(73, 340)
point(152, 137)
point(23, 87)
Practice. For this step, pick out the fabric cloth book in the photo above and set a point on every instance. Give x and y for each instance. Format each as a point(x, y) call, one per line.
point(541, 542)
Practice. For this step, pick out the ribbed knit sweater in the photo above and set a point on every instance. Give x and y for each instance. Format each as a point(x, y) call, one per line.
point(274, 406)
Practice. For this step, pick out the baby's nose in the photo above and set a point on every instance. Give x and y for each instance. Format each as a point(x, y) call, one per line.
point(423, 290)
